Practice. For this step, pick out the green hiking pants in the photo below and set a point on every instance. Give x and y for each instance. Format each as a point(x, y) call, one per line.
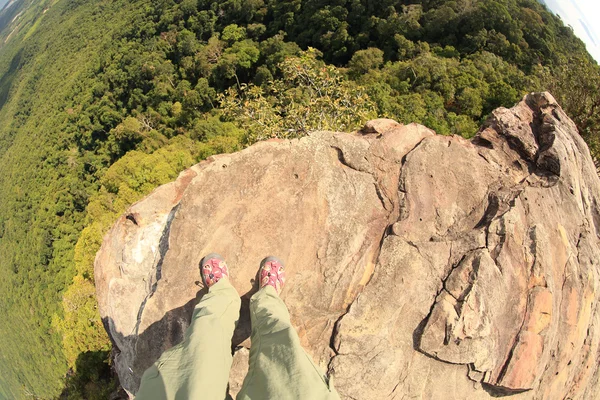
point(198, 367)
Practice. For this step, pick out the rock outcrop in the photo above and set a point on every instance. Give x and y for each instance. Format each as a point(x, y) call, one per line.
point(447, 268)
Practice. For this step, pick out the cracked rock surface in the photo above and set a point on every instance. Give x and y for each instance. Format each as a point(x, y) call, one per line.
point(418, 265)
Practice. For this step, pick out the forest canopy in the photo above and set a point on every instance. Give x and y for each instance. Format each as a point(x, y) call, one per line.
point(101, 102)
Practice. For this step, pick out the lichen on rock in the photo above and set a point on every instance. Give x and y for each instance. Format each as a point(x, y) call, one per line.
point(447, 268)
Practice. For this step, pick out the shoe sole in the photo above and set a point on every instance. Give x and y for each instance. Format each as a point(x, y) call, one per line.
point(271, 258)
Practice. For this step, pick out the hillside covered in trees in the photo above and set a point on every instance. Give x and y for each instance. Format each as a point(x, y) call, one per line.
point(102, 101)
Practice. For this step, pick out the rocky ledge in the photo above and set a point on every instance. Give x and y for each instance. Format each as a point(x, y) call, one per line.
point(419, 265)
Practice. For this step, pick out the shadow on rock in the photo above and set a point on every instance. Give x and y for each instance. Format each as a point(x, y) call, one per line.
point(160, 336)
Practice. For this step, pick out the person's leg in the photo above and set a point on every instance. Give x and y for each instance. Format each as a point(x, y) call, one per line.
point(279, 368)
point(198, 367)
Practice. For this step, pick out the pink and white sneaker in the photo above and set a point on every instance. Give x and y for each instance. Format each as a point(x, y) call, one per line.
point(212, 269)
point(272, 273)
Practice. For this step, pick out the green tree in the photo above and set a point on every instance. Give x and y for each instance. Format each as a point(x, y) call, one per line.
point(310, 96)
point(365, 60)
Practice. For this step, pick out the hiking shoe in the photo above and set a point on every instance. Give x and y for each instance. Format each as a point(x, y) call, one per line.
point(272, 273)
point(212, 269)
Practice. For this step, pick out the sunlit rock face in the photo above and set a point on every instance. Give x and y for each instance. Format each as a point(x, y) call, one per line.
point(419, 266)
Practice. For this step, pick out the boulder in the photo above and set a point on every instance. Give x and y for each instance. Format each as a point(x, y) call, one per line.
point(445, 268)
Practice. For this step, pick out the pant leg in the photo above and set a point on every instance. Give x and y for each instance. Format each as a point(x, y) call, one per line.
point(279, 367)
point(198, 367)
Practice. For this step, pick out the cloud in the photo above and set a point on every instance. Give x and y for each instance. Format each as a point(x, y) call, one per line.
point(589, 32)
point(578, 14)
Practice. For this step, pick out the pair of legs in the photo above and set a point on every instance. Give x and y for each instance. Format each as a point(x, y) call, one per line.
point(198, 368)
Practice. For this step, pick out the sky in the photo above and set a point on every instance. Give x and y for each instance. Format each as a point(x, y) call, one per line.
point(582, 16)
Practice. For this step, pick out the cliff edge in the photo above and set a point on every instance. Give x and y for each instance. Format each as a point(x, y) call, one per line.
point(447, 268)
